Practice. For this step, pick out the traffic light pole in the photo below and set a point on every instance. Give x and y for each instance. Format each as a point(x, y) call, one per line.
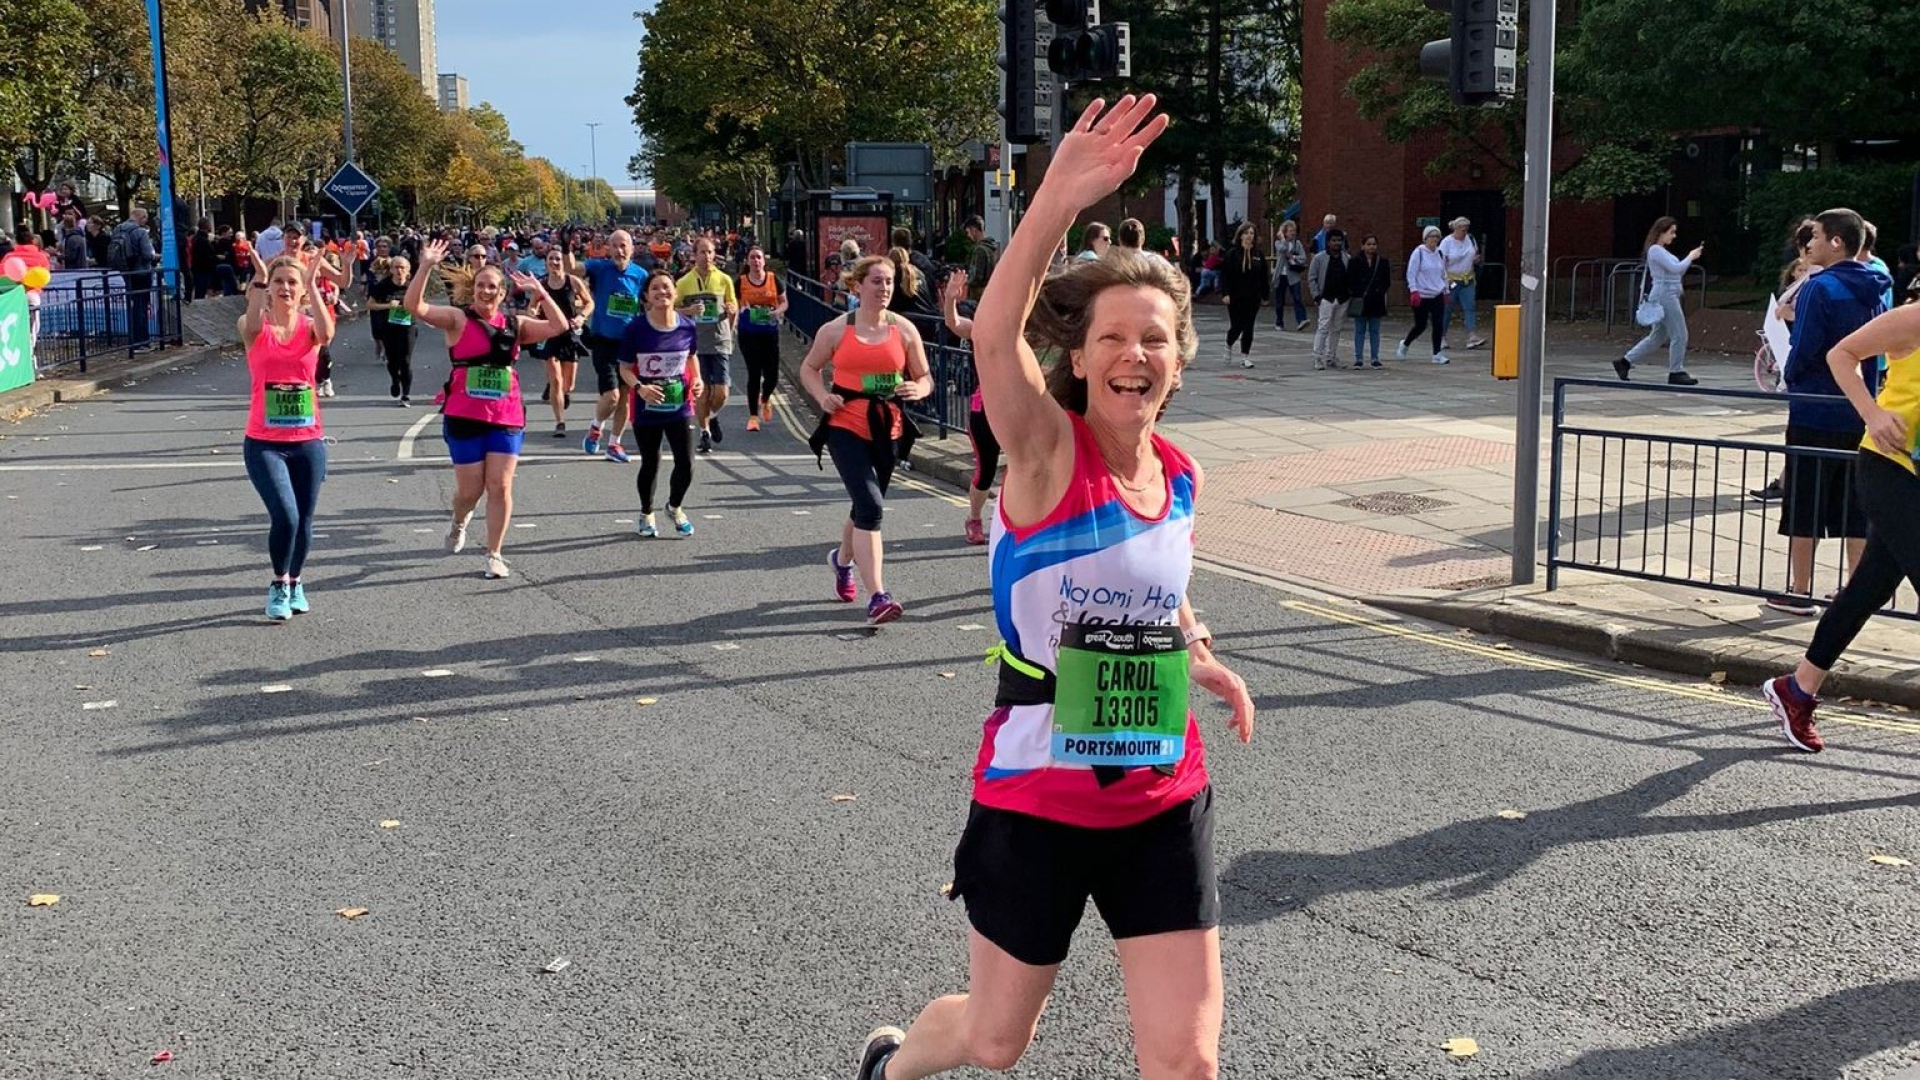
point(1533, 290)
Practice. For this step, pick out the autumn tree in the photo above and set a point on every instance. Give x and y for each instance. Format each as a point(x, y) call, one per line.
point(399, 134)
point(41, 107)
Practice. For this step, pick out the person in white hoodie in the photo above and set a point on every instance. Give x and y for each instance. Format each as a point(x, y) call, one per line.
point(1427, 293)
point(270, 243)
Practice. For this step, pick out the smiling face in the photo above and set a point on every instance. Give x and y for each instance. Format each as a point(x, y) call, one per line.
point(875, 287)
point(489, 288)
point(660, 293)
point(1131, 356)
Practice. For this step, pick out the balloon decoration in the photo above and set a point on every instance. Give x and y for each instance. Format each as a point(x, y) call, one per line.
point(15, 268)
point(36, 278)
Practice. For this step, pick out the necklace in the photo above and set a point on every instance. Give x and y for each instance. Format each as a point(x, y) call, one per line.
point(1142, 488)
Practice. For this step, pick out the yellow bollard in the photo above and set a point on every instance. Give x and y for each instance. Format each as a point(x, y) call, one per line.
point(1506, 341)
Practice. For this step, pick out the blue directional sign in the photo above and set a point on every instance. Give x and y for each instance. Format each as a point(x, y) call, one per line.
point(351, 188)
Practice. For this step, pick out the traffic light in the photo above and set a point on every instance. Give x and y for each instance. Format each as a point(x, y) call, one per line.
point(1479, 63)
point(1083, 48)
point(1026, 102)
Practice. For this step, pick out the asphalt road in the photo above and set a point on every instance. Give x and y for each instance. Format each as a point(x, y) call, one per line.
point(1681, 899)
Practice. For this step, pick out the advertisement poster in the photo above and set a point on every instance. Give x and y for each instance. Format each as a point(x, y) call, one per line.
point(16, 343)
point(870, 231)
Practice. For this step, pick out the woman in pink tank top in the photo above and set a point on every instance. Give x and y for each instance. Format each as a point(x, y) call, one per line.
point(485, 416)
point(285, 449)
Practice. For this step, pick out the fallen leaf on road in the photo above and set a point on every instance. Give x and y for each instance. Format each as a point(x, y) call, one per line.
point(146, 547)
point(646, 701)
point(946, 891)
point(1463, 632)
point(1888, 860)
point(1718, 678)
point(351, 912)
point(842, 798)
point(91, 706)
point(946, 674)
point(1514, 815)
point(971, 626)
point(43, 899)
point(161, 1058)
point(435, 673)
point(392, 480)
point(724, 646)
point(557, 965)
point(585, 659)
point(802, 513)
point(276, 688)
point(1503, 646)
point(91, 547)
point(1460, 1048)
point(98, 652)
point(390, 823)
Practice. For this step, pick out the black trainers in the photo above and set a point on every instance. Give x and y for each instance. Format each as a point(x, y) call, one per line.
point(706, 444)
point(880, 1045)
point(1681, 378)
point(713, 426)
point(1622, 368)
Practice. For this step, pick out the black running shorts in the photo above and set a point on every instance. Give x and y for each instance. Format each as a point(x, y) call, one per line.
point(606, 362)
point(1026, 880)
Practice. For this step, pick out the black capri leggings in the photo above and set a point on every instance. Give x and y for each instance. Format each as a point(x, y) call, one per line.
point(1891, 496)
point(762, 354)
point(986, 451)
point(680, 439)
point(398, 344)
point(1432, 312)
point(865, 479)
point(1242, 313)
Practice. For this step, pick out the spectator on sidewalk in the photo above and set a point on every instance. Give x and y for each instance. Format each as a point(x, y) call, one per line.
point(1289, 273)
point(1906, 274)
point(1098, 238)
point(1207, 270)
point(1368, 278)
point(1463, 256)
point(73, 243)
point(1427, 292)
point(1820, 499)
point(135, 263)
point(223, 262)
point(795, 255)
point(270, 242)
point(200, 260)
point(1666, 284)
point(1327, 225)
point(99, 239)
point(1890, 495)
point(985, 253)
point(926, 300)
point(1243, 280)
point(1132, 236)
point(1327, 283)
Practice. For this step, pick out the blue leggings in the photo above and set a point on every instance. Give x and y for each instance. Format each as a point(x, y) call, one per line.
point(288, 476)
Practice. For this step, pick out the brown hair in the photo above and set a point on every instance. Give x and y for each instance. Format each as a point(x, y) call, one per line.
point(1131, 234)
point(1660, 227)
point(1059, 320)
point(905, 278)
point(861, 267)
point(299, 268)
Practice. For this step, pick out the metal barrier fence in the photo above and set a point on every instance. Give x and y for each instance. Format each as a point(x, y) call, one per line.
point(96, 314)
point(1636, 503)
point(950, 359)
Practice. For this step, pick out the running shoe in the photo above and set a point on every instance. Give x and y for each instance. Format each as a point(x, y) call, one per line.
point(616, 454)
point(1623, 368)
point(753, 423)
point(1441, 358)
point(591, 444)
point(546, 392)
point(706, 444)
point(880, 1045)
point(1792, 604)
point(297, 601)
point(394, 389)
point(681, 524)
point(766, 409)
point(1377, 363)
point(1476, 341)
point(1793, 707)
point(406, 402)
point(713, 426)
point(559, 431)
point(1773, 491)
point(279, 601)
point(1246, 362)
point(1681, 378)
point(1400, 353)
point(843, 584)
point(457, 538)
point(882, 608)
point(1319, 364)
point(976, 531)
point(326, 387)
point(646, 527)
point(496, 566)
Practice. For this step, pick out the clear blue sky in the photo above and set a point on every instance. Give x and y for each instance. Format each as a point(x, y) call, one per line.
point(550, 68)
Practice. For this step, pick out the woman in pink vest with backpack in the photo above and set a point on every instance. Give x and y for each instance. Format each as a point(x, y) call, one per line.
point(484, 414)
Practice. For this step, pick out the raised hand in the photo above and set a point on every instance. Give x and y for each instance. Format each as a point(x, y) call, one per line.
point(1103, 149)
point(432, 254)
point(956, 289)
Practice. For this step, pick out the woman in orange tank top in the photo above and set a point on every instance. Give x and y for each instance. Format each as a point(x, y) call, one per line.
point(878, 362)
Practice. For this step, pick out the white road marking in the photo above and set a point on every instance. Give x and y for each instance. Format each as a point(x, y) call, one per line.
point(406, 441)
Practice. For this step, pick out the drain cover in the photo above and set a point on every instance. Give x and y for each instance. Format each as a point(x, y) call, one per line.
point(1393, 502)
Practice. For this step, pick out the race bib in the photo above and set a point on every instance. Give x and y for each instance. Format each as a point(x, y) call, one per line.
point(1121, 696)
point(880, 383)
point(396, 317)
point(289, 405)
point(676, 396)
point(709, 307)
point(760, 315)
point(622, 306)
point(489, 383)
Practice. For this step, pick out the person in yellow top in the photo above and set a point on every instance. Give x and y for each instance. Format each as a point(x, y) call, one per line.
point(1888, 488)
point(705, 294)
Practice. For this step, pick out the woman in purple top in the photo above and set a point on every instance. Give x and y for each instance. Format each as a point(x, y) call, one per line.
point(659, 369)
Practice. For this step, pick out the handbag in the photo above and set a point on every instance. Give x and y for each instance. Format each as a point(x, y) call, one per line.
point(1650, 311)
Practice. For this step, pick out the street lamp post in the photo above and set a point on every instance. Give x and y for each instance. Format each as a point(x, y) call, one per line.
point(1536, 202)
point(346, 87)
point(593, 147)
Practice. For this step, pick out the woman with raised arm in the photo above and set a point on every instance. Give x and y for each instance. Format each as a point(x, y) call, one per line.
point(986, 449)
point(1091, 780)
point(285, 451)
point(485, 416)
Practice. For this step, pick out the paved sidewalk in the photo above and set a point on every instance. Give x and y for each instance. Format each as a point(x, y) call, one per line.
point(1395, 487)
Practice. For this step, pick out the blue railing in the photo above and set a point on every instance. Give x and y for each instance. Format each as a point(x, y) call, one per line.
point(1636, 503)
point(811, 306)
point(92, 314)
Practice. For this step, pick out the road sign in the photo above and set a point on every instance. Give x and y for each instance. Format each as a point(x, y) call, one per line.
point(351, 188)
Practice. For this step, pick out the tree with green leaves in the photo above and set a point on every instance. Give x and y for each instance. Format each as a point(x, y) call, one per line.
point(41, 107)
point(399, 134)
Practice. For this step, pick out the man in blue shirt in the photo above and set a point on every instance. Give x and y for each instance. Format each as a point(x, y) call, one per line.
point(1843, 296)
point(619, 286)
